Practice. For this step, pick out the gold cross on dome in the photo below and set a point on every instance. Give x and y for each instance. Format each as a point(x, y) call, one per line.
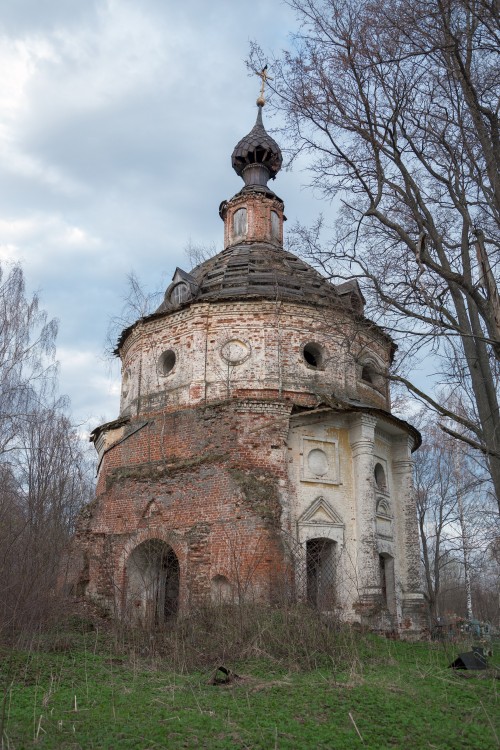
point(263, 75)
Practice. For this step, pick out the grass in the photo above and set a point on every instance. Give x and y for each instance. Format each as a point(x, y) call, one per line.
point(78, 690)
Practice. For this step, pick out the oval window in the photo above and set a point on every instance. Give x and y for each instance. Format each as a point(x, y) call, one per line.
point(234, 351)
point(167, 362)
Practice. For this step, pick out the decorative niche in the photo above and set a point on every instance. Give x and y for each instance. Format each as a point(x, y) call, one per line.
point(320, 461)
point(384, 518)
point(275, 225)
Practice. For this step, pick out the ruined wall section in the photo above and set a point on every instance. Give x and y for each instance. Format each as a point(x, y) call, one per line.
point(211, 482)
point(207, 352)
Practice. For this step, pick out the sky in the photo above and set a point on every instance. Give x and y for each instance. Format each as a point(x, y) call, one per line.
point(117, 122)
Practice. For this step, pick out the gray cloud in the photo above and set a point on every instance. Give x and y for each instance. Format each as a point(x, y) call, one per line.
point(118, 123)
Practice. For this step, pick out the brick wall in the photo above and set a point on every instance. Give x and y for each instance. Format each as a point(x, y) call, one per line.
point(210, 482)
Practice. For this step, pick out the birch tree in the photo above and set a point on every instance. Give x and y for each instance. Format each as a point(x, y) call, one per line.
point(45, 474)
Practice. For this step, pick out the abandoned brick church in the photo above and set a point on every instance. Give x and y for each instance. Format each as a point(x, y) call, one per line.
point(255, 456)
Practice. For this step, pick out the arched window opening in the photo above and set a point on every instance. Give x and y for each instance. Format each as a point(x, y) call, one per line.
point(221, 590)
point(368, 374)
point(313, 355)
point(240, 222)
point(179, 294)
point(275, 225)
point(321, 573)
point(380, 478)
point(152, 575)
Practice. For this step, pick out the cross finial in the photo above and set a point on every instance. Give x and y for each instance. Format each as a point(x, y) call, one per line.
point(264, 77)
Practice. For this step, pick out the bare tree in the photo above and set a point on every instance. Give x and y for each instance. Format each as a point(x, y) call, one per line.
point(138, 303)
point(50, 477)
point(45, 476)
point(457, 521)
point(398, 103)
point(197, 254)
point(27, 348)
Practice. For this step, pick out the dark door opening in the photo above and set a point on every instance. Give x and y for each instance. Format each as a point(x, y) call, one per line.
point(171, 586)
point(321, 573)
point(153, 580)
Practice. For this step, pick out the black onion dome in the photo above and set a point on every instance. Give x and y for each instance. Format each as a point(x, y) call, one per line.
point(257, 148)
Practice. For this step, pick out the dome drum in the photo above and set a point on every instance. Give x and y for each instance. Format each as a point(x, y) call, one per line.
point(252, 217)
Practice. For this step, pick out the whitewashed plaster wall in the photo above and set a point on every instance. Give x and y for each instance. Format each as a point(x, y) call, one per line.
point(336, 498)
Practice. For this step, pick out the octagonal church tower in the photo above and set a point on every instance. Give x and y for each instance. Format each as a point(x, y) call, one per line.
point(255, 456)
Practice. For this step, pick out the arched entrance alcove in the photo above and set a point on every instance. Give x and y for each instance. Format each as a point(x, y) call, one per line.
point(152, 574)
point(321, 573)
point(387, 582)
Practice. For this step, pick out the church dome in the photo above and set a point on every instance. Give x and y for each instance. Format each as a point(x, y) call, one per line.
point(261, 270)
point(257, 157)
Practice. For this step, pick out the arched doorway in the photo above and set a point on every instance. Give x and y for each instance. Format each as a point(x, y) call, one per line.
point(321, 573)
point(152, 575)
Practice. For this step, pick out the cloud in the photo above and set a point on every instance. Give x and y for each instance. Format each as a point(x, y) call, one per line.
point(117, 120)
point(81, 372)
point(22, 16)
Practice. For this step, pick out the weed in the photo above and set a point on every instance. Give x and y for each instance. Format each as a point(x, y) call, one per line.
point(335, 689)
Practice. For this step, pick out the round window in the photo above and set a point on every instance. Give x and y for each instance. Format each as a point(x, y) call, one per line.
point(313, 355)
point(167, 362)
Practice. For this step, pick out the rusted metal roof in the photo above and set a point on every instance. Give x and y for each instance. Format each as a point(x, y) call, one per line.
point(261, 270)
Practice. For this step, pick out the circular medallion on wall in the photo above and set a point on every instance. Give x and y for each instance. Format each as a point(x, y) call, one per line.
point(318, 462)
point(235, 351)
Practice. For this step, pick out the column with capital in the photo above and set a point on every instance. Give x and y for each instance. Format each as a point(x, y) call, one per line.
point(362, 440)
point(407, 536)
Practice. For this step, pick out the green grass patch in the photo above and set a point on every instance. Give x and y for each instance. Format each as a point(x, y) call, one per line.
point(78, 691)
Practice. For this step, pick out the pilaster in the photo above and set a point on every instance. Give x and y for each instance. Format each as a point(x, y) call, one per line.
point(407, 535)
point(362, 441)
